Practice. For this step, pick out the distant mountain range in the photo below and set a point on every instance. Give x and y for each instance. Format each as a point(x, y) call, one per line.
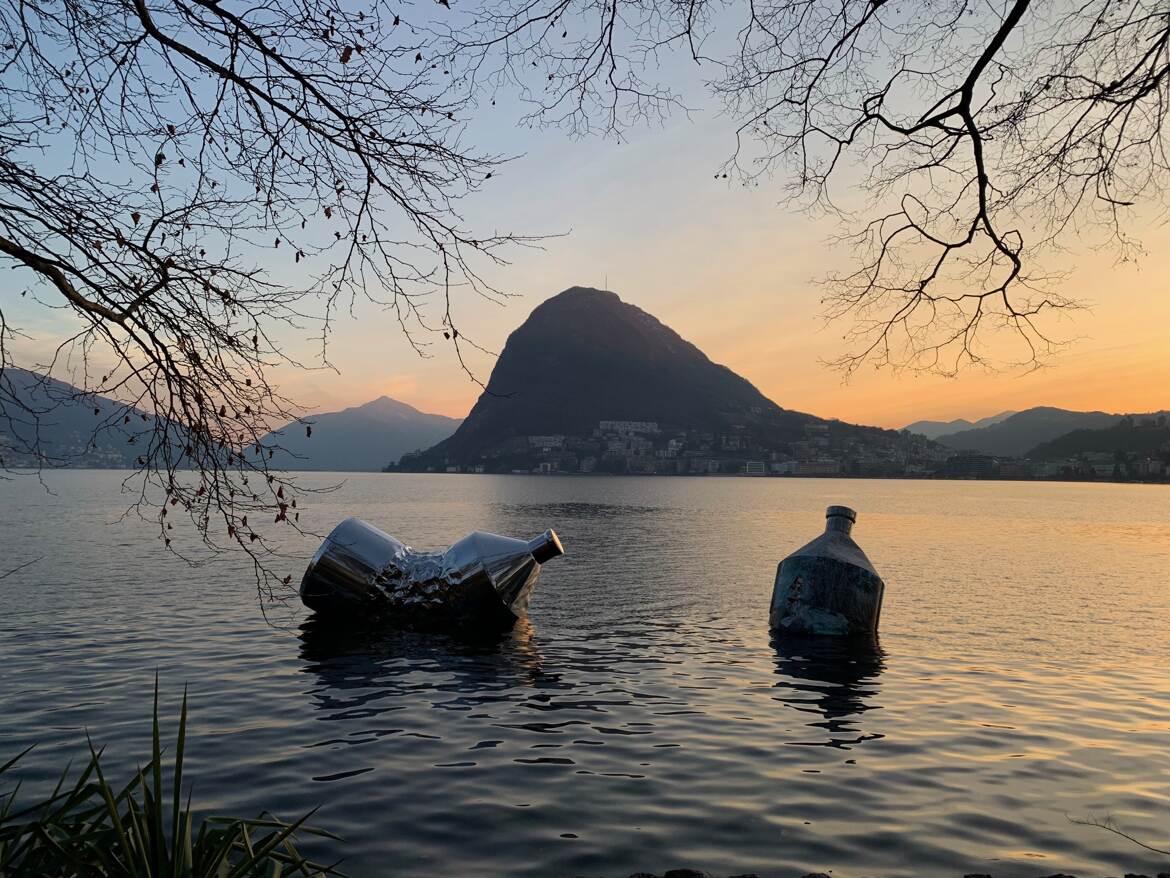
point(362, 438)
point(48, 422)
point(57, 424)
point(1017, 435)
point(934, 429)
point(1142, 435)
point(1036, 433)
point(585, 356)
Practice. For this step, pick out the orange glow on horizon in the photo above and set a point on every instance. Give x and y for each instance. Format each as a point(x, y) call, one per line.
point(1120, 362)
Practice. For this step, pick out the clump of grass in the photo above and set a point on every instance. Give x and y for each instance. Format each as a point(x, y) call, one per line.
point(91, 828)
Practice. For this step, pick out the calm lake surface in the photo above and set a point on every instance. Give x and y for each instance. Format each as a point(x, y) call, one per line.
point(641, 719)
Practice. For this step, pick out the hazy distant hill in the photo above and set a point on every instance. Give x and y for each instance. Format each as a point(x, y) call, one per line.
point(362, 438)
point(1137, 434)
point(64, 419)
point(67, 426)
point(1023, 431)
point(934, 429)
point(585, 355)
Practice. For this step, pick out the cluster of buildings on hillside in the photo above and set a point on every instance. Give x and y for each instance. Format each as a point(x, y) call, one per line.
point(74, 451)
point(1102, 466)
point(649, 448)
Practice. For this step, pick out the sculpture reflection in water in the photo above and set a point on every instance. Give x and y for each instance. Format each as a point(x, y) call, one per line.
point(362, 672)
point(834, 678)
point(481, 583)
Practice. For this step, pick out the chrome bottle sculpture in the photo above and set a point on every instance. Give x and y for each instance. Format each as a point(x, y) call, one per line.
point(828, 586)
point(480, 583)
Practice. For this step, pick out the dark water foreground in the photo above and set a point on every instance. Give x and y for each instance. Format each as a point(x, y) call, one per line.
point(643, 717)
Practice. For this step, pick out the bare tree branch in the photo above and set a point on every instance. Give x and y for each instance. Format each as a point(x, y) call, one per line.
point(973, 140)
point(1109, 826)
point(193, 186)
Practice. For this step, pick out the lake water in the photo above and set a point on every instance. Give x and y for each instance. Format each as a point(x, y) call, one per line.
point(642, 719)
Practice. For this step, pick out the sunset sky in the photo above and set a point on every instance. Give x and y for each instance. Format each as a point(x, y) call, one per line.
point(735, 273)
point(732, 270)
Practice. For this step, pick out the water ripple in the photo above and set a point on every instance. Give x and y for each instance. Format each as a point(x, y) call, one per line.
point(643, 718)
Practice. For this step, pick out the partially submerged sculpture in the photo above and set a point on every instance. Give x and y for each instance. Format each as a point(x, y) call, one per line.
point(481, 583)
point(828, 586)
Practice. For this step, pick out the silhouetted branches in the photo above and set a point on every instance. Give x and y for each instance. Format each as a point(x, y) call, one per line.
point(980, 136)
point(579, 64)
point(1109, 826)
point(195, 184)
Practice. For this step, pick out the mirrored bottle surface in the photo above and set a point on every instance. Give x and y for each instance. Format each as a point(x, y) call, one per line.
point(828, 586)
point(481, 583)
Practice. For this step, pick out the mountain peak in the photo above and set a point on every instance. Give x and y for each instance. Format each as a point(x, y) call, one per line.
point(386, 405)
point(582, 295)
point(578, 294)
point(934, 429)
point(576, 302)
point(1015, 435)
point(584, 357)
point(363, 437)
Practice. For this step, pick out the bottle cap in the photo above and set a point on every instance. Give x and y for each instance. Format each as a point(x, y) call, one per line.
point(842, 511)
point(546, 546)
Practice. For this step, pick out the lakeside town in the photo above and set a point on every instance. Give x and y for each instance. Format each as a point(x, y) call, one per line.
point(648, 448)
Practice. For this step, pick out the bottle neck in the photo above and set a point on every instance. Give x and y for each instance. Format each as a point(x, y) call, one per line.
point(546, 546)
point(840, 524)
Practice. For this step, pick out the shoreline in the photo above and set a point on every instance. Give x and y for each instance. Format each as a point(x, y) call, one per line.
point(32, 471)
point(754, 477)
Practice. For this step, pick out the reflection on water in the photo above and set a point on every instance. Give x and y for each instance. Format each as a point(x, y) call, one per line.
point(325, 640)
point(835, 678)
point(643, 719)
point(350, 657)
